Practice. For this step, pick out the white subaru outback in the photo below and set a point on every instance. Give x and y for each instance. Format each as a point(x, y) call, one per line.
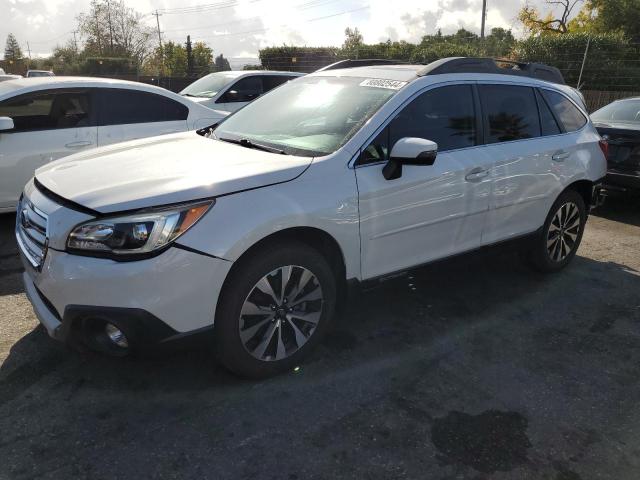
point(253, 228)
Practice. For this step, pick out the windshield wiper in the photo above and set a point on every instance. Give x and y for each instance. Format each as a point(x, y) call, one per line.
point(245, 142)
point(189, 95)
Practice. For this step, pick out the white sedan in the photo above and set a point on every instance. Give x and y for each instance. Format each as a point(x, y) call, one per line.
point(43, 119)
point(232, 90)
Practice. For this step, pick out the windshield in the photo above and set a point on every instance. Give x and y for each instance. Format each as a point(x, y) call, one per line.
point(208, 86)
point(625, 111)
point(310, 116)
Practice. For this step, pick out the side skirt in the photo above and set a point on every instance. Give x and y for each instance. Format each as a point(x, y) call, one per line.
point(516, 244)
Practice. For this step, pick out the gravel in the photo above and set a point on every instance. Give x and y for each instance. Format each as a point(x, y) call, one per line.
point(474, 368)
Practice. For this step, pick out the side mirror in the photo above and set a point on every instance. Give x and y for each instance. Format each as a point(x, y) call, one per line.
point(229, 96)
point(6, 123)
point(409, 151)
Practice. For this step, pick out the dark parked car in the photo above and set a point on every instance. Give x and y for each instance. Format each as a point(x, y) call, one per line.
point(619, 124)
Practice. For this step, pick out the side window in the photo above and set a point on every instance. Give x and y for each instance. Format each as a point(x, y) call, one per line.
point(571, 118)
point(48, 110)
point(270, 82)
point(244, 90)
point(510, 113)
point(444, 115)
point(122, 107)
point(548, 122)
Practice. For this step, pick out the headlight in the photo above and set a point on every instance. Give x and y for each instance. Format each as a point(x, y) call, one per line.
point(135, 234)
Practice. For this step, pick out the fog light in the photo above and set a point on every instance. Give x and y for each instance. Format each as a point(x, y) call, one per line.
point(116, 335)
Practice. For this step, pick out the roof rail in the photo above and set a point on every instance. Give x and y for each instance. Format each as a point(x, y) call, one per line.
point(490, 65)
point(360, 62)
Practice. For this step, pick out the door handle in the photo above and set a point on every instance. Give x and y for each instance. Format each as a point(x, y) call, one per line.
point(78, 144)
point(476, 174)
point(560, 156)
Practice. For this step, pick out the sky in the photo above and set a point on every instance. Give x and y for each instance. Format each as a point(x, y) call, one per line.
point(239, 28)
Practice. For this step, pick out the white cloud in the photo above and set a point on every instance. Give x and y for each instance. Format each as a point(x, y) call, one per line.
point(252, 24)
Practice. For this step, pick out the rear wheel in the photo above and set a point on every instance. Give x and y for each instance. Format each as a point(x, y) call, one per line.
point(274, 309)
point(561, 234)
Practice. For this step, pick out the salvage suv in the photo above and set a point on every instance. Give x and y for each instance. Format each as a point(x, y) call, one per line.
point(252, 229)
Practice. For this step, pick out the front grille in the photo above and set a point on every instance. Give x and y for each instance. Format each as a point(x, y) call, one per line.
point(32, 232)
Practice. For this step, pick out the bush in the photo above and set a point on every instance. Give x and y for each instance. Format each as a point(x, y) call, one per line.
point(611, 60)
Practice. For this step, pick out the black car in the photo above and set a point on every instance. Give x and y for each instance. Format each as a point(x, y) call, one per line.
point(619, 124)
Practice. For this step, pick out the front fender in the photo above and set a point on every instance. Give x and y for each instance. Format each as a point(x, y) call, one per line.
point(239, 221)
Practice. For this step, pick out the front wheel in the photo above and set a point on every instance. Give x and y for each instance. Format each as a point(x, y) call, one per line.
point(561, 234)
point(274, 309)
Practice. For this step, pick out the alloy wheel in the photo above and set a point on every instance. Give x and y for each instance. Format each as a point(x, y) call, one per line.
point(563, 232)
point(281, 313)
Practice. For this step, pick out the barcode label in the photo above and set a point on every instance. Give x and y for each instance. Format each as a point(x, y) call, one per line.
point(382, 83)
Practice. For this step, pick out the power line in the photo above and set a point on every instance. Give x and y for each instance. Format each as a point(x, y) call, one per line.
point(202, 7)
point(260, 30)
point(303, 6)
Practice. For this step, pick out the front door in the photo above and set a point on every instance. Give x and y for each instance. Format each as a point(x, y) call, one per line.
point(240, 93)
point(48, 125)
point(432, 211)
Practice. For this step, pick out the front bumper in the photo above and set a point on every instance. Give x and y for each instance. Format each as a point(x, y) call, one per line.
point(153, 300)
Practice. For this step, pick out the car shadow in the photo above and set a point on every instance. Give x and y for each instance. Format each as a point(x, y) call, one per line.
point(10, 265)
point(470, 345)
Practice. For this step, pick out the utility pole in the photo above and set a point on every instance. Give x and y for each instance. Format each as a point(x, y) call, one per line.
point(484, 17)
point(75, 42)
point(29, 50)
point(158, 15)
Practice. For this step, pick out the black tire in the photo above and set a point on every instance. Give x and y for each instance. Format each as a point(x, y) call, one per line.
point(240, 285)
point(539, 256)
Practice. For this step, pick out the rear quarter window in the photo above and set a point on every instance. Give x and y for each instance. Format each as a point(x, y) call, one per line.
point(566, 112)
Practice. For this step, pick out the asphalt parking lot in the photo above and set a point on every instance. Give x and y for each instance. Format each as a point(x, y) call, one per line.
point(474, 368)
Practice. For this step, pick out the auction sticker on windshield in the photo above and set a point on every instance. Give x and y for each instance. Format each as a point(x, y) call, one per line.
point(382, 83)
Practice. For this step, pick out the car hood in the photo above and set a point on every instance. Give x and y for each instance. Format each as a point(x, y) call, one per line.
point(164, 170)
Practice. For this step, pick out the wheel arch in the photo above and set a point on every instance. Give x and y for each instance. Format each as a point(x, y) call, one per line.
point(316, 238)
point(584, 188)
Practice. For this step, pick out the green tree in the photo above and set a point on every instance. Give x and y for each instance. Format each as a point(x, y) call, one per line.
point(554, 21)
point(12, 49)
point(66, 60)
point(112, 29)
point(352, 42)
point(616, 16)
point(202, 58)
point(175, 59)
point(499, 43)
point(464, 35)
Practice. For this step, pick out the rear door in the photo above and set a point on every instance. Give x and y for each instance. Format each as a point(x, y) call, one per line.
point(126, 114)
point(49, 125)
point(525, 177)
